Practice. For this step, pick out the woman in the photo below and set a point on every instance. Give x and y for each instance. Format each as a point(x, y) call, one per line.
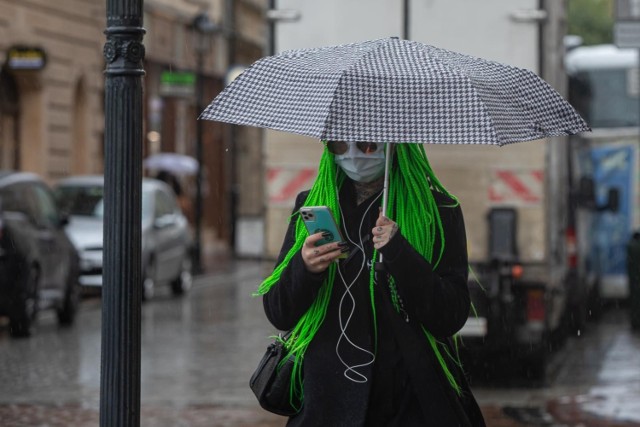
point(370, 338)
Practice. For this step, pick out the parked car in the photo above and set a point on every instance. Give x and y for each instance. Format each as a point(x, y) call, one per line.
point(166, 235)
point(38, 262)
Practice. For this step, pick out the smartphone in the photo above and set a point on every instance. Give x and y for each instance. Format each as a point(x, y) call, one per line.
point(319, 219)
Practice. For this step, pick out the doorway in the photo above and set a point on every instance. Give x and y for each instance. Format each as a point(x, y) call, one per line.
point(9, 112)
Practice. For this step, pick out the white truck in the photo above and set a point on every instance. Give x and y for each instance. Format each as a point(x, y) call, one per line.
point(515, 199)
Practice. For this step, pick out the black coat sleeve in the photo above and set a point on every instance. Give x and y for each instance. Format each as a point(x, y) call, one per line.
point(290, 298)
point(437, 297)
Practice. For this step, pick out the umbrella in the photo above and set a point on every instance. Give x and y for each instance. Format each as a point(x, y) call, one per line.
point(393, 90)
point(175, 163)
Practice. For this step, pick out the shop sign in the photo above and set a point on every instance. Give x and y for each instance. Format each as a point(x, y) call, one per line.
point(177, 83)
point(26, 58)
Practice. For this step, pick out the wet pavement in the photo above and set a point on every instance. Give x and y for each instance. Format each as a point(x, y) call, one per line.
point(199, 351)
point(592, 381)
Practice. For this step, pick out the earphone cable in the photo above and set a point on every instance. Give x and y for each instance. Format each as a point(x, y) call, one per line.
point(352, 369)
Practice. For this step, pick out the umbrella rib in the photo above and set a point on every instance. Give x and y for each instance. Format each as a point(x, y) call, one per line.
point(460, 73)
point(376, 47)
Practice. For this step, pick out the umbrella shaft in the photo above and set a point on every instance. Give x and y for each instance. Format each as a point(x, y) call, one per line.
point(385, 188)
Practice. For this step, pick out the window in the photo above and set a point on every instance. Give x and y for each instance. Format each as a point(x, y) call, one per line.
point(606, 98)
point(44, 207)
point(164, 205)
point(81, 200)
point(32, 199)
point(9, 200)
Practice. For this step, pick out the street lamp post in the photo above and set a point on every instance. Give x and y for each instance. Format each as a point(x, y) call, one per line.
point(275, 16)
point(406, 13)
point(122, 285)
point(203, 29)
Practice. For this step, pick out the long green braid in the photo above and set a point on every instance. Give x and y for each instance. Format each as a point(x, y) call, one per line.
point(413, 206)
point(324, 192)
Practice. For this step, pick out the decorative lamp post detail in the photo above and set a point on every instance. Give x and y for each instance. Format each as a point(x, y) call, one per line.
point(122, 282)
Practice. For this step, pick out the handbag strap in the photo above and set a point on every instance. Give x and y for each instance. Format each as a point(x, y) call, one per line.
point(285, 336)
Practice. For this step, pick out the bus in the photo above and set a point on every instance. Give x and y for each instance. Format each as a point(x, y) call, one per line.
point(604, 86)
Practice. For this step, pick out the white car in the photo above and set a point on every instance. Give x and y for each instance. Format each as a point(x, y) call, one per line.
point(166, 235)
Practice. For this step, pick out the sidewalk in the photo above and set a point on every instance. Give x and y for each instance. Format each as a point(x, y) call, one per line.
point(618, 399)
point(582, 410)
point(35, 415)
point(189, 338)
point(191, 416)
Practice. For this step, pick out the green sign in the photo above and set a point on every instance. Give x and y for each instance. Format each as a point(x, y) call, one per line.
point(177, 83)
point(180, 77)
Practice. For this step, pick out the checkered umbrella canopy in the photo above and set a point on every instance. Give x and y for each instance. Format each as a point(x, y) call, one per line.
point(393, 90)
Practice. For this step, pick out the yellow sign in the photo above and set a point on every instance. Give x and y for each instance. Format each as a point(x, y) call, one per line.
point(26, 58)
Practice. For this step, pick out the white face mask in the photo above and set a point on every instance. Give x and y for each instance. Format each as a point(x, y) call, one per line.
point(359, 166)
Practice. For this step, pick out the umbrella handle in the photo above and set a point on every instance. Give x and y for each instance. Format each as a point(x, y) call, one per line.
point(385, 186)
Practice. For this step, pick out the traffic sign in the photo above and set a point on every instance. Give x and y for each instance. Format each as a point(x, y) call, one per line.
point(627, 34)
point(626, 29)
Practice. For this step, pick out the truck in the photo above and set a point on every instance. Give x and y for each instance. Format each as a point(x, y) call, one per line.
point(515, 199)
point(525, 294)
point(554, 260)
point(604, 87)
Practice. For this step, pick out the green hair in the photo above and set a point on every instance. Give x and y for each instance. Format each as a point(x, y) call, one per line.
point(411, 204)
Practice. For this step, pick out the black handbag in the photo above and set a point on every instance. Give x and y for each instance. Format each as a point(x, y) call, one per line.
point(271, 382)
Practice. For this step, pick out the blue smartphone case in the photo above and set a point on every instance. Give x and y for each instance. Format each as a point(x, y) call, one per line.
point(319, 219)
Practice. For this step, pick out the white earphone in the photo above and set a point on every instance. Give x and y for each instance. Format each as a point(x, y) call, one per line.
point(351, 372)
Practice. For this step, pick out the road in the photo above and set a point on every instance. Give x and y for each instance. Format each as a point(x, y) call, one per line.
point(199, 351)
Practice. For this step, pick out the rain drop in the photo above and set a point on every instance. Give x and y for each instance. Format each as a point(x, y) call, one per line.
point(579, 331)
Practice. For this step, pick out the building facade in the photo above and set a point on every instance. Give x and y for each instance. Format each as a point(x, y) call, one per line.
point(51, 94)
point(51, 84)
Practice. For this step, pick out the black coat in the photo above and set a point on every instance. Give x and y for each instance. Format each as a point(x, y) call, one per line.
point(405, 386)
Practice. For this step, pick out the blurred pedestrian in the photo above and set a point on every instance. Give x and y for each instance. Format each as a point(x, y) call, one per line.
point(372, 340)
point(170, 179)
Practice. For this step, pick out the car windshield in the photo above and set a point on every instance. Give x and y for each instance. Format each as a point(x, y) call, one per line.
point(88, 201)
point(81, 200)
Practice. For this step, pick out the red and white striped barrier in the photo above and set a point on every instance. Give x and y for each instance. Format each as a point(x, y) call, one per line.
point(284, 184)
point(516, 187)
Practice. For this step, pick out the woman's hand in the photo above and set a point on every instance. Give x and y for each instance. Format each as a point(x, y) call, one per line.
point(318, 258)
point(384, 230)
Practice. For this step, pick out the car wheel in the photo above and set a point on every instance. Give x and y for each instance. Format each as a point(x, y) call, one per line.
point(535, 370)
point(184, 281)
point(67, 313)
point(534, 366)
point(26, 307)
point(595, 303)
point(149, 281)
point(576, 322)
